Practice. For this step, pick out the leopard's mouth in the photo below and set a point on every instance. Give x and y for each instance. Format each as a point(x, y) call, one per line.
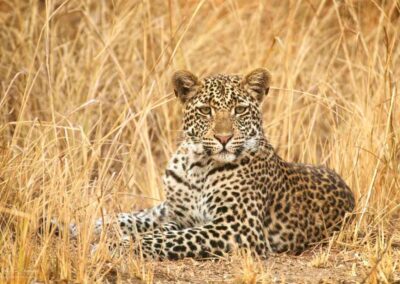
point(224, 153)
point(224, 156)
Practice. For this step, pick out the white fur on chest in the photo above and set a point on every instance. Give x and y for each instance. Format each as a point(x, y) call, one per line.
point(185, 176)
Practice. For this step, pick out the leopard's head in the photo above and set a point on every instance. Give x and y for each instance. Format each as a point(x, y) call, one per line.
point(221, 116)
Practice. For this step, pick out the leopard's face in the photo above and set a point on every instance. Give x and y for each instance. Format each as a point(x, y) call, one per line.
point(222, 116)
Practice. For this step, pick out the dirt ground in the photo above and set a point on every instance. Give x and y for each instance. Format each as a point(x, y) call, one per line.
point(310, 267)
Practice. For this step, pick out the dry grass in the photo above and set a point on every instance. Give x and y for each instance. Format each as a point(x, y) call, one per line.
point(88, 121)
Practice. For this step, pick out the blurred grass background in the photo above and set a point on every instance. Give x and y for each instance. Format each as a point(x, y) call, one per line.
point(88, 118)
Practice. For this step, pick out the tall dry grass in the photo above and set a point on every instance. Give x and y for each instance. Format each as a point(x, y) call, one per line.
point(88, 119)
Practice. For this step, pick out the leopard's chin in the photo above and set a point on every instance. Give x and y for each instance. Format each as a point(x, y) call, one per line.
point(224, 157)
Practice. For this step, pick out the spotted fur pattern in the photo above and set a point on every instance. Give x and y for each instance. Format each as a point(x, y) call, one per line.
point(227, 188)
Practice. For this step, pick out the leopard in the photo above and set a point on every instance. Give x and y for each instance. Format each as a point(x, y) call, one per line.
point(227, 187)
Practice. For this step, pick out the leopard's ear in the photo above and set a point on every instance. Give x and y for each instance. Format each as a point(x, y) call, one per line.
point(257, 82)
point(185, 84)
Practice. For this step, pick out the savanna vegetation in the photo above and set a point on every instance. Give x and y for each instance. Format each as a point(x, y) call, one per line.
point(88, 120)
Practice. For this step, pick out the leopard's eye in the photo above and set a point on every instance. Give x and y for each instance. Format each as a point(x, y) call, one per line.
point(240, 109)
point(205, 110)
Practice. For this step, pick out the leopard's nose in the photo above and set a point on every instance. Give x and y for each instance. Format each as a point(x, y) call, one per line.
point(224, 139)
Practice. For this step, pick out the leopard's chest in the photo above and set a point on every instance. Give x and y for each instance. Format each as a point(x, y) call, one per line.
point(191, 182)
point(184, 181)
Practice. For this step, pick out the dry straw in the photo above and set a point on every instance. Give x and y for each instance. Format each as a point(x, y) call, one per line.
point(88, 119)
